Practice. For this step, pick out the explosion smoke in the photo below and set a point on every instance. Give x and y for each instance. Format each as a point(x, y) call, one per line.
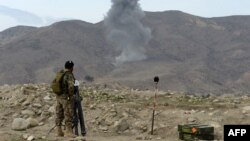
point(125, 29)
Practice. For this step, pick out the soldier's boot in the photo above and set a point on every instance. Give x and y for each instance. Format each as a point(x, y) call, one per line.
point(59, 131)
point(69, 132)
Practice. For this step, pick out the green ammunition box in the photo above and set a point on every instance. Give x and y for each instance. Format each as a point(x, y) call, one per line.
point(191, 132)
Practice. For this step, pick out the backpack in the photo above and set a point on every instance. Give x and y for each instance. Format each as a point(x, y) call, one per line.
point(56, 84)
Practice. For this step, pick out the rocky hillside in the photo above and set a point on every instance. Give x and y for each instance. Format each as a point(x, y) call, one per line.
point(27, 112)
point(13, 33)
point(189, 53)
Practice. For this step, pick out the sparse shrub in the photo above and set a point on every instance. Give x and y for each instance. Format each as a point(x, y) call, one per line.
point(89, 78)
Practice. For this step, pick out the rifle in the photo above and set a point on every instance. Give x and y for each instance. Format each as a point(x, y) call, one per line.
point(77, 112)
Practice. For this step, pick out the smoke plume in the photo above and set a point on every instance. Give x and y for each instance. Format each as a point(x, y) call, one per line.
point(125, 29)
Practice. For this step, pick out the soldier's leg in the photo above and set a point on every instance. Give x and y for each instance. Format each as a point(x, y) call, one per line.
point(59, 117)
point(68, 114)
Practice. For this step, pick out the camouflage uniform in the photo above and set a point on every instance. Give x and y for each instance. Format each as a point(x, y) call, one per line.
point(64, 109)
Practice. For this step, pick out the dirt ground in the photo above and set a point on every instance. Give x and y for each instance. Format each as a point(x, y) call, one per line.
point(119, 114)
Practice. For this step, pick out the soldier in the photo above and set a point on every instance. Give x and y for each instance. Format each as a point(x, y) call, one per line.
point(64, 106)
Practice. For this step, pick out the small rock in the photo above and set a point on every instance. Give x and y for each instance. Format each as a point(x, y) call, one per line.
point(30, 138)
point(211, 114)
point(121, 125)
point(25, 136)
point(32, 122)
point(215, 125)
point(103, 128)
point(225, 112)
point(92, 107)
point(216, 100)
point(191, 119)
point(148, 138)
point(158, 138)
point(37, 105)
point(142, 126)
point(79, 138)
point(202, 111)
point(26, 103)
point(244, 111)
point(52, 109)
point(19, 124)
point(246, 108)
point(237, 101)
point(139, 138)
point(47, 98)
point(41, 124)
point(28, 112)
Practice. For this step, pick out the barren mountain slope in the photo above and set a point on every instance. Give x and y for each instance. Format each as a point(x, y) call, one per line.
point(189, 53)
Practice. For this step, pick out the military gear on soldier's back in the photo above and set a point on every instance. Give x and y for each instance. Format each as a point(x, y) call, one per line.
point(56, 84)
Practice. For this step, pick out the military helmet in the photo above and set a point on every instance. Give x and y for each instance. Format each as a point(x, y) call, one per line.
point(69, 65)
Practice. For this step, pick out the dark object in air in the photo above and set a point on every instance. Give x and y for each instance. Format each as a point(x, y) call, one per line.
point(78, 113)
point(191, 132)
point(156, 79)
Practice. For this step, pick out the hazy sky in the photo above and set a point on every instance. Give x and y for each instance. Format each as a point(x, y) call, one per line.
point(94, 10)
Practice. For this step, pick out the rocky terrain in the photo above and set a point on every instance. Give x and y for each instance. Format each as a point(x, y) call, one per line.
point(116, 113)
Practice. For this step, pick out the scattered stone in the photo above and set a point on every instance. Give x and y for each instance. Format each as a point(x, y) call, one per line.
point(41, 124)
point(37, 105)
point(244, 111)
point(25, 136)
point(215, 124)
point(191, 119)
point(52, 109)
point(32, 122)
point(211, 114)
point(158, 138)
point(19, 124)
point(30, 138)
point(26, 103)
point(121, 125)
point(216, 100)
point(202, 111)
point(22, 100)
point(92, 107)
point(79, 138)
point(103, 128)
point(225, 112)
point(28, 112)
point(139, 138)
point(148, 138)
point(246, 108)
point(142, 126)
point(45, 114)
point(47, 98)
point(237, 101)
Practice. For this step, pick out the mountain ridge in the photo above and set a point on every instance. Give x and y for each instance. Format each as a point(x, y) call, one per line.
point(189, 53)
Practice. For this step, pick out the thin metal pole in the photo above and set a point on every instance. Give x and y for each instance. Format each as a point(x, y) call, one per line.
point(153, 116)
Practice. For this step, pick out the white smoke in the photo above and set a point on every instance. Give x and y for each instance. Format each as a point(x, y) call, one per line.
point(125, 29)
